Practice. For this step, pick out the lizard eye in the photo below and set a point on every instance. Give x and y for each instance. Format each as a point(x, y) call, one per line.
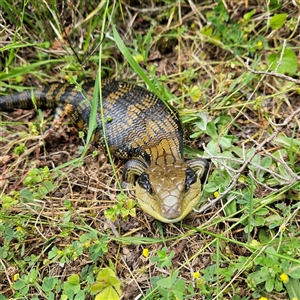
point(143, 181)
point(191, 178)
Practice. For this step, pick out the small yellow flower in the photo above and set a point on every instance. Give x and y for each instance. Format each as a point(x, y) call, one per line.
point(216, 194)
point(263, 298)
point(196, 275)
point(283, 228)
point(59, 252)
point(19, 228)
point(294, 298)
point(284, 278)
point(259, 45)
point(16, 276)
point(146, 252)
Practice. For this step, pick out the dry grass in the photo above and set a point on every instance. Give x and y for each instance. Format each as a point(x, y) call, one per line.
point(250, 111)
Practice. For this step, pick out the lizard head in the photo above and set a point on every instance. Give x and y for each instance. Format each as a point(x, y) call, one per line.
point(168, 192)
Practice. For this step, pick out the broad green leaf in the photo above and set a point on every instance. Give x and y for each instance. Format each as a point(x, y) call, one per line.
point(108, 293)
point(195, 93)
point(259, 276)
point(230, 208)
point(48, 284)
point(207, 31)
point(105, 273)
point(275, 4)
point(80, 295)
point(273, 221)
point(8, 201)
point(266, 162)
point(179, 286)
point(258, 221)
point(70, 292)
point(262, 212)
point(212, 131)
point(71, 289)
point(288, 64)
point(248, 229)
point(178, 295)
point(74, 279)
point(270, 284)
point(278, 285)
point(211, 187)
point(225, 142)
point(287, 143)
point(165, 282)
point(106, 278)
point(292, 287)
point(19, 284)
point(277, 21)
point(169, 281)
point(248, 15)
point(26, 196)
point(294, 271)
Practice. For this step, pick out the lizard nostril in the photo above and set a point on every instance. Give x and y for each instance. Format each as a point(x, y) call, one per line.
point(171, 212)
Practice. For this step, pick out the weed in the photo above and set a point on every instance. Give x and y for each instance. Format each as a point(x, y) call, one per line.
point(39, 183)
point(107, 285)
point(170, 287)
point(162, 258)
point(273, 272)
point(71, 289)
point(54, 239)
point(124, 208)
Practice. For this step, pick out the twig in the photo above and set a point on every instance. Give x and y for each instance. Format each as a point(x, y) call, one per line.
point(282, 76)
point(280, 161)
point(274, 73)
point(6, 272)
point(260, 183)
point(281, 56)
point(240, 161)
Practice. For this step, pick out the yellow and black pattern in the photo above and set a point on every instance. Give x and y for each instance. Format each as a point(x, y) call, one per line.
point(139, 127)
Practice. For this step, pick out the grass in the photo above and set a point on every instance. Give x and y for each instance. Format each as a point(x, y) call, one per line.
point(67, 232)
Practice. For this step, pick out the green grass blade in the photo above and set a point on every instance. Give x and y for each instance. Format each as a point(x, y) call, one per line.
point(19, 71)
